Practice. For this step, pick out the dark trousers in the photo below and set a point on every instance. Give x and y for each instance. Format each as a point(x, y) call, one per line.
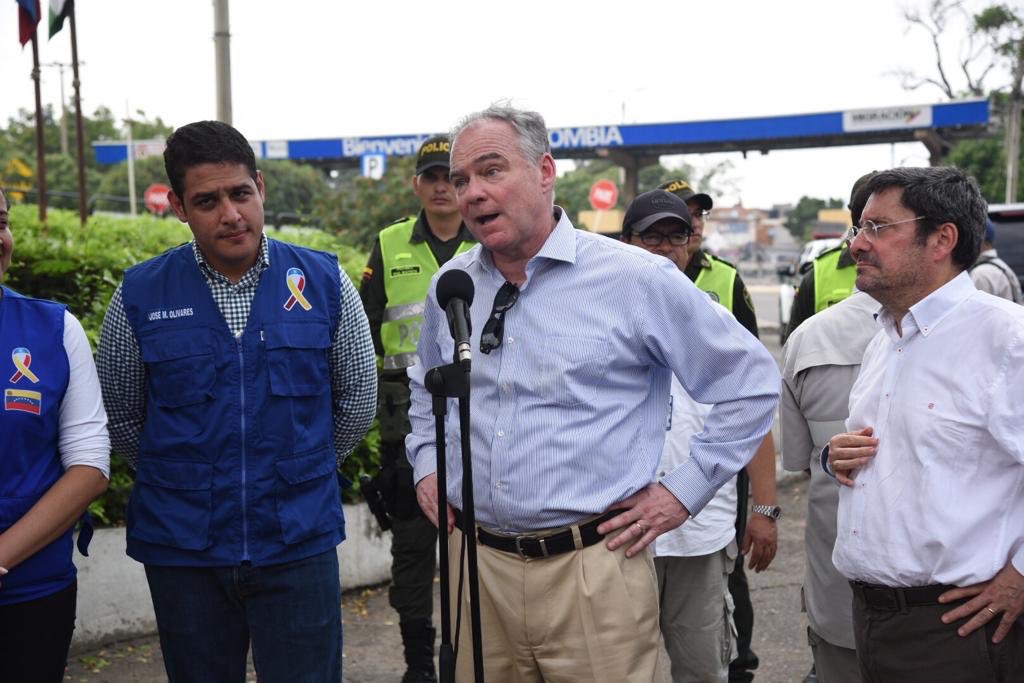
point(35, 637)
point(912, 645)
point(413, 541)
point(206, 617)
point(741, 669)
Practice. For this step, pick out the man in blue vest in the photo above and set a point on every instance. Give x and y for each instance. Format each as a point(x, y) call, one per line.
point(238, 372)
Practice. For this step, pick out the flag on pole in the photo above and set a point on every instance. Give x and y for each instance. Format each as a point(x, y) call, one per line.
point(59, 11)
point(28, 17)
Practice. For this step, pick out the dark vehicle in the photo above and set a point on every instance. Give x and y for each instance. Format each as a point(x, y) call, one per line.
point(1009, 222)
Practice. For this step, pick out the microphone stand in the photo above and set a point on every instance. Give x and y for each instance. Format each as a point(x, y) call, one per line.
point(444, 382)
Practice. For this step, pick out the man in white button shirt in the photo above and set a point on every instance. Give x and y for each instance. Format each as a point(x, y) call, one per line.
point(931, 513)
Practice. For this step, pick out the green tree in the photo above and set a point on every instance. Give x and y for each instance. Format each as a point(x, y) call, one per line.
point(112, 191)
point(991, 45)
point(291, 188)
point(359, 207)
point(18, 141)
point(805, 213)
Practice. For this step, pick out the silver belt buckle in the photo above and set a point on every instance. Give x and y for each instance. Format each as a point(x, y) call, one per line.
point(540, 541)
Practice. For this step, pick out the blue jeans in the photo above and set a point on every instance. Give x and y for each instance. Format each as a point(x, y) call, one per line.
point(292, 613)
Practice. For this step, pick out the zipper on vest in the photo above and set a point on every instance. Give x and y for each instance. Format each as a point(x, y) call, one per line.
point(245, 511)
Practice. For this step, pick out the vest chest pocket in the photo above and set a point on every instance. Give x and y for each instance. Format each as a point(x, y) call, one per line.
point(308, 499)
point(180, 368)
point(297, 358)
point(172, 503)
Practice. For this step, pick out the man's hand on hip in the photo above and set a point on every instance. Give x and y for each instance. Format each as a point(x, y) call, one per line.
point(426, 495)
point(649, 513)
point(850, 451)
point(1004, 593)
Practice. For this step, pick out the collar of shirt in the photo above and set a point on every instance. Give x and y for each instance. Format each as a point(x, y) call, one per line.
point(251, 276)
point(929, 312)
point(422, 225)
point(559, 246)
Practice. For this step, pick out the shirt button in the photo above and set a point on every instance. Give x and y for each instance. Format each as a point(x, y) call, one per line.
point(510, 340)
point(501, 433)
point(661, 474)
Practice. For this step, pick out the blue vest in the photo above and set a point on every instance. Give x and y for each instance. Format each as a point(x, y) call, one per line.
point(32, 339)
point(236, 457)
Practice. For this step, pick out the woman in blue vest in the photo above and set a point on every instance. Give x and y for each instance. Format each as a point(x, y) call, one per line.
point(54, 460)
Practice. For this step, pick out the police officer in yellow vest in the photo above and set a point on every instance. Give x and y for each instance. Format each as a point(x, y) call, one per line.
point(714, 275)
point(722, 282)
point(407, 254)
point(831, 276)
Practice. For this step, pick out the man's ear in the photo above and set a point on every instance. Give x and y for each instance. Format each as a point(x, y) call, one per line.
point(945, 238)
point(547, 172)
point(177, 207)
point(261, 186)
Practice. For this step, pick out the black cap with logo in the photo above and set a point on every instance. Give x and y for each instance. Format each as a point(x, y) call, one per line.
point(434, 152)
point(651, 207)
point(682, 189)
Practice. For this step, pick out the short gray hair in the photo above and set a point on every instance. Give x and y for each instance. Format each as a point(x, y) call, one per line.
point(528, 125)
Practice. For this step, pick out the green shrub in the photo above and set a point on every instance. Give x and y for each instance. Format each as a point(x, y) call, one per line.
point(82, 267)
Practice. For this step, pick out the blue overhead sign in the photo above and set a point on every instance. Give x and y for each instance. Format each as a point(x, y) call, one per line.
point(858, 126)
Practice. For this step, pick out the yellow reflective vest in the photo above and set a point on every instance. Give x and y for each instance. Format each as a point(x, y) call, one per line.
point(832, 284)
point(407, 271)
point(719, 280)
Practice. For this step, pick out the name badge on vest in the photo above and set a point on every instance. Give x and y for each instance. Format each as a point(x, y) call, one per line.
point(401, 271)
point(295, 279)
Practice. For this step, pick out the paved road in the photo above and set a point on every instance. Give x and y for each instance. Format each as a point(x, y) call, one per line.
point(373, 646)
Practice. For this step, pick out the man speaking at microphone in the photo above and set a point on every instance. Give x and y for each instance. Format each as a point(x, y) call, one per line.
point(575, 338)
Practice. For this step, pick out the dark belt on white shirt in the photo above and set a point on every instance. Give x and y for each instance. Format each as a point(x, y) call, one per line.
point(898, 599)
point(542, 545)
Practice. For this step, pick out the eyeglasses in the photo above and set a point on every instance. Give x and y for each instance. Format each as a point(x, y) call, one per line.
point(870, 228)
point(653, 239)
point(494, 329)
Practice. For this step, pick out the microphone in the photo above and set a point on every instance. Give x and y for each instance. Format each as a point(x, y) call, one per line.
point(455, 294)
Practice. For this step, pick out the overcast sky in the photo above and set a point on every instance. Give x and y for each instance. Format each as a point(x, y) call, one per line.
point(325, 68)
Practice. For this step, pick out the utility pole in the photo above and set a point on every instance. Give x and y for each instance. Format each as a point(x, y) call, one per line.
point(63, 107)
point(222, 45)
point(1013, 148)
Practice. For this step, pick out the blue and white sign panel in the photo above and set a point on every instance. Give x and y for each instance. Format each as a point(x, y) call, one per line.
point(726, 132)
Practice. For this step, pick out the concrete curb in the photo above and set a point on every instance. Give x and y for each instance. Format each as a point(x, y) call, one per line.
point(113, 597)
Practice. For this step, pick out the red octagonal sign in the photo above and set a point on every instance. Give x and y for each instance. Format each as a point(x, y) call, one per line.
point(156, 198)
point(603, 195)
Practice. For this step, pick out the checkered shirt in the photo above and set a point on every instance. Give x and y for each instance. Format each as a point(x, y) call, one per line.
point(351, 359)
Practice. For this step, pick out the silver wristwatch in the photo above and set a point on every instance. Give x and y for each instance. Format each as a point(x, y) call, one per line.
point(772, 512)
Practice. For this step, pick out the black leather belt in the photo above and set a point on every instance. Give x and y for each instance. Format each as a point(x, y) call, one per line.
point(895, 599)
point(532, 545)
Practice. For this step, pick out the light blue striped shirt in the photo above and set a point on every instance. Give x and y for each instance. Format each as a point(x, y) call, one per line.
point(568, 415)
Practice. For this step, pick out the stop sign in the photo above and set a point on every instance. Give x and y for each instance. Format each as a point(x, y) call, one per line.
point(603, 195)
point(156, 198)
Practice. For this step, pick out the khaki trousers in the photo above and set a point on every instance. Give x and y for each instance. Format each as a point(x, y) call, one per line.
point(585, 615)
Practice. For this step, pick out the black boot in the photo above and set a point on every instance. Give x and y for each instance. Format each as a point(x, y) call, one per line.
point(418, 642)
